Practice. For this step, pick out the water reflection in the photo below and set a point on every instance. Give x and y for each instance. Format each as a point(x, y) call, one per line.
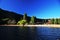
point(46, 33)
point(17, 33)
point(29, 33)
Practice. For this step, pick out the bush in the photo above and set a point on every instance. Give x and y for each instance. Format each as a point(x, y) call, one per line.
point(22, 22)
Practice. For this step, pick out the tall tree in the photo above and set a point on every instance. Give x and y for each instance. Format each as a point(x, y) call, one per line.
point(56, 21)
point(45, 20)
point(32, 20)
point(59, 21)
point(52, 21)
point(25, 16)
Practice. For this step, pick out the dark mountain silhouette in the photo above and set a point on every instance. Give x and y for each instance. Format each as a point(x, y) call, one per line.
point(11, 15)
point(14, 17)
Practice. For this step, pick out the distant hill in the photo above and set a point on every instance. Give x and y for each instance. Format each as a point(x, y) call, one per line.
point(14, 16)
point(11, 15)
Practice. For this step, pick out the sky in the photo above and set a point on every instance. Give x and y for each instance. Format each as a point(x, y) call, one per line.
point(38, 8)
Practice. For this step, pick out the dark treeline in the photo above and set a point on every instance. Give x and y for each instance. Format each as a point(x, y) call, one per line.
point(8, 17)
point(55, 21)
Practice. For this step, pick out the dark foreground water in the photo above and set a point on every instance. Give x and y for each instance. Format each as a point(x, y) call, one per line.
point(29, 33)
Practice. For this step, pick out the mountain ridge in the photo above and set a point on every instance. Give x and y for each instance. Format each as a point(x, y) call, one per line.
point(15, 16)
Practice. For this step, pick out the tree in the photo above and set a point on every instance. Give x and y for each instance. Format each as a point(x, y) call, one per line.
point(25, 17)
point(22, 22)
point(52, 20)
point(59, 21)
point(45, 21)
point(32, 20)
point(56, 21)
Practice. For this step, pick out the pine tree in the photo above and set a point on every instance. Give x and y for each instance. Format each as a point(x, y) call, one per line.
point(32, 20)
point(25, 17)
point(52, 21)
point(59, 21)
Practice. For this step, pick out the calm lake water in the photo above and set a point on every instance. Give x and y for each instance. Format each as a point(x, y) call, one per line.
point(29, 33)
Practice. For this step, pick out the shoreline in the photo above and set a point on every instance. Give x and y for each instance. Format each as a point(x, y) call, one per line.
point(43, 25)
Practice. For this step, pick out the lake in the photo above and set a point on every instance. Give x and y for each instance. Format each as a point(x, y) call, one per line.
point(29, 33)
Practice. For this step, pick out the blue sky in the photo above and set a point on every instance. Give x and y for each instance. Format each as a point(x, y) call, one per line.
point(38, 8)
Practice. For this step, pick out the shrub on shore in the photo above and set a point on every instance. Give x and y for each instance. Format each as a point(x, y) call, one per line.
point(22, 22)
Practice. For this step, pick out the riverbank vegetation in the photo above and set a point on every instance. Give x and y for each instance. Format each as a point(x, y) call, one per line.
point(55, 21)
point(12, 18)
point(24, 20)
